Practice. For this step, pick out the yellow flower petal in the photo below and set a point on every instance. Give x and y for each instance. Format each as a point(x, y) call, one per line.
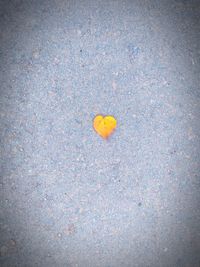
point(104, 126)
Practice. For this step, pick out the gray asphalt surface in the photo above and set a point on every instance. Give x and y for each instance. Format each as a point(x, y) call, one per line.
point(68, 197)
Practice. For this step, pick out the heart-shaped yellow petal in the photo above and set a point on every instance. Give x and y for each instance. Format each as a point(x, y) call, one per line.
point(104, 126)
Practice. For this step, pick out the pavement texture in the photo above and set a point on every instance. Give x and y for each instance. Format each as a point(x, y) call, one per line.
point(68, 197)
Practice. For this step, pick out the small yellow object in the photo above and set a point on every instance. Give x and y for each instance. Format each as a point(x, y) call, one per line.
point(104, 126)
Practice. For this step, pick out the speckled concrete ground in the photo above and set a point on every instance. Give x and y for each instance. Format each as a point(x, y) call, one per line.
point(68, 197)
